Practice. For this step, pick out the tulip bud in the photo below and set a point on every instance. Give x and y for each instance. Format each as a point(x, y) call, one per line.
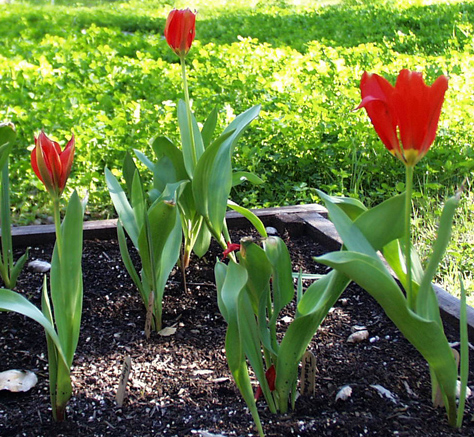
point(50, 164)
point(180, 30)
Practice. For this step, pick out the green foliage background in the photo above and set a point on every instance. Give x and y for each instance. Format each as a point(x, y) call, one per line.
point(104, 71)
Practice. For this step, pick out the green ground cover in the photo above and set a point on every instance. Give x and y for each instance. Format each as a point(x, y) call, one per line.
point(104, 71)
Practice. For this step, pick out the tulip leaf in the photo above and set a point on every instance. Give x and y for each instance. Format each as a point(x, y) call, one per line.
point(122, 206)
point(203, 240)
point(127, 261)
point(12, 301)
point(193, 147)
point(7, 139)
point(209, 127)
point(137, 199)
point(352, 207)
point(393, 253)
point(259, 271)
point(384, 222)
point(282, 278)
point(230, 282)
point(427, 303)
point(312, 309)
point(240, 177)
point(129, 169)
point(66, 278)
point(426, 335)
point(212, 182)
point(147, 162)
point(213, 174)
point(250, 216)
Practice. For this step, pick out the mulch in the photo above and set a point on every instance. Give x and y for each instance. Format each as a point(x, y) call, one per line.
point(180, 384)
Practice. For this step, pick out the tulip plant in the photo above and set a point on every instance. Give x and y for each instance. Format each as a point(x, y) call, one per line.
point(191, 187)
point(61, 304)
point(252, 291)
point(9, 270)
point(405, 117)
point(203, 161)
point(155, 231)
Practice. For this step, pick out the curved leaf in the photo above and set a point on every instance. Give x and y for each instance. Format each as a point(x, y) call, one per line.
point(426, 335)
point(122, 206)
point(250, 216)
point(12, 301)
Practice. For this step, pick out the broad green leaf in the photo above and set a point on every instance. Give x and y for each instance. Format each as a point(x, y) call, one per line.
point(127, 261)
point(427, 302)
point(352, 207)
point(170, 253)
point(171, 169)
point(193, 147)
point(212, 182)
point(129, 169)
point(249, 330)
point(7, 139)
point(377, 226)
point(161, 219)
point(122, 206)
point(240, 123)
point(250, 216)
point(259, 271)
point(213, 174)
point(147, 162)
point(12, 301)
point(209, 128)
point(137, 200)
point(312, 309)
point(220, 272)
point(383, 223)
point(203, 240)
point(349, 232)
point(426, 335)
point(240, 177)
point(230, 281)
point(66, 278)
point(393, 253)
point(282, 279)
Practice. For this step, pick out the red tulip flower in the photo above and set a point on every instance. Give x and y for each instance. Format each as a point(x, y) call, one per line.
point(51, 165)
point(405, 116)
point(180, 30)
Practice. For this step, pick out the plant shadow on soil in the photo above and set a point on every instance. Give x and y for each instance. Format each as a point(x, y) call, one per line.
point(180, 384)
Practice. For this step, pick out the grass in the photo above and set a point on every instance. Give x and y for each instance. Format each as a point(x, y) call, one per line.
point(102, 70)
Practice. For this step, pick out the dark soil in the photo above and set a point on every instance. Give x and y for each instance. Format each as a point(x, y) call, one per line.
point(180, 384)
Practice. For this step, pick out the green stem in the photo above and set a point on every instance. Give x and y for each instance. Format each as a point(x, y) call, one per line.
point(5, 221)
point(409, 190)
point(57, 224)
point(188, 108)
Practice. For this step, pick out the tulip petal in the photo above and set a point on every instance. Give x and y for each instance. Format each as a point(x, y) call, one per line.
point(418, 107)
point(436, 99)
point(376, 99)
point(67, 158)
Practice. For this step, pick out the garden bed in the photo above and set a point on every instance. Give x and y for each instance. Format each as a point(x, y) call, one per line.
point(180, 384)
